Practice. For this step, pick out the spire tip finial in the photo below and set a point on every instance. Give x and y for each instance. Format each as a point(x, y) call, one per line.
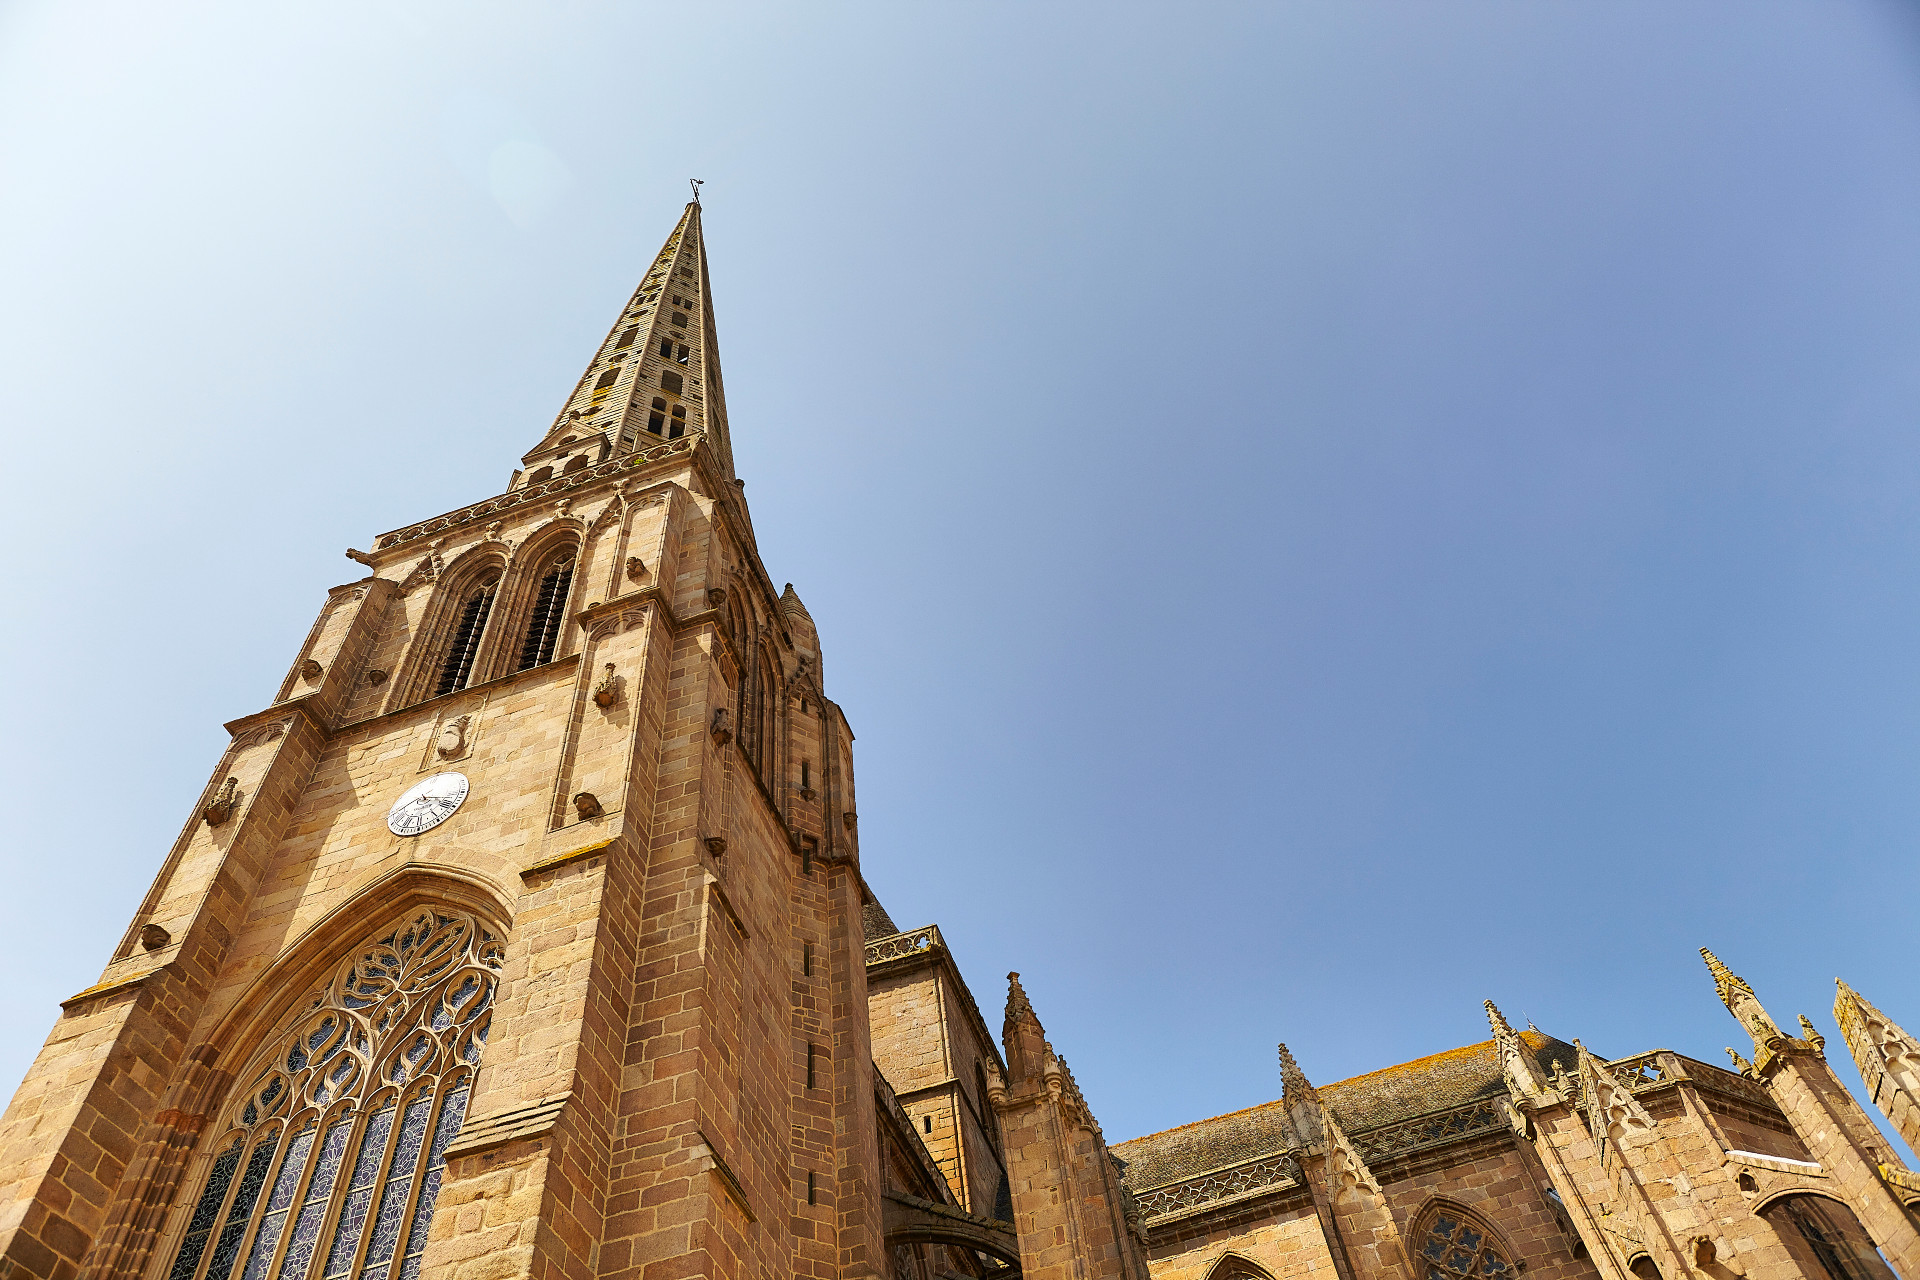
point(696, 184)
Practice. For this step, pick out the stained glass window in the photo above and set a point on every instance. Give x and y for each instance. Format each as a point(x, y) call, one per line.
point(370, 1080)
point(1454, 1247)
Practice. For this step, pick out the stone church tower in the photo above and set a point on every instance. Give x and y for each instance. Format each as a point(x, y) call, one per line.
point(519, 934)
point(523, 934)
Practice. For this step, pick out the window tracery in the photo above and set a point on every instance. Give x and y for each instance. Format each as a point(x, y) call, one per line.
point(1456, 1246)
point(344, 1119)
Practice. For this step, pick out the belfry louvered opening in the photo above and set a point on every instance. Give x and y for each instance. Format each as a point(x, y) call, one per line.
point(549, 607)
point(456, 669)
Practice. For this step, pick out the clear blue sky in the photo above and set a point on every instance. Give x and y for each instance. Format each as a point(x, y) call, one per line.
point(1318, 513)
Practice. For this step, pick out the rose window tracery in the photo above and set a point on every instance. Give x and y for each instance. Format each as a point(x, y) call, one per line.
point(327, 1161)
point(1456, 1248)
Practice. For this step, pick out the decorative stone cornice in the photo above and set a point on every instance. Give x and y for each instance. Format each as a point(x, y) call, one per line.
point(516, 499)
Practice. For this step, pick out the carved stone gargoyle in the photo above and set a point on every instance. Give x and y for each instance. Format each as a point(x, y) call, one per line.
point(311, 671)
point(221, 807)
point(716, 845)
point(153, 937)
point(716, 596)
point(636, 569)
point(721, 734)
point(587, 805)
point(376, 677)
point(608, 688)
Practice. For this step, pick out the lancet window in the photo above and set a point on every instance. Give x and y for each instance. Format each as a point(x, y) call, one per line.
point(329, 1159)
point(1455, 1246)
point(549, 608)
point(456, 667)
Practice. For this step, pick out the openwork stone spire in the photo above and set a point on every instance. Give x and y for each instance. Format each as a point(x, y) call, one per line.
point(656, 375)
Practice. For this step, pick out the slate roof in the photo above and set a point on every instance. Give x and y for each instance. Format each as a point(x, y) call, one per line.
point(875, 922)
point(1433, 1083)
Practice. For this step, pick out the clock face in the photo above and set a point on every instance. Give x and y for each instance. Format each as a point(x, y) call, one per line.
point(427, 804)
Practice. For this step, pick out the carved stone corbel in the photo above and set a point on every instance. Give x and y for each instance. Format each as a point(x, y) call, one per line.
point(453, 737)
point(587, 805)
point(221, 807)
point(636, 569)
point(718, 728)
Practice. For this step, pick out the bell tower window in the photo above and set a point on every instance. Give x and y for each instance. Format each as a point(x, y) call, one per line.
point(457, 667)
point(679, 427)
point(549, 606)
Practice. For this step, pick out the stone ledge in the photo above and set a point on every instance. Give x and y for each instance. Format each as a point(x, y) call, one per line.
point(480, 1133)
point(719, 1168)
point(562, 859)
point(1776, 1164)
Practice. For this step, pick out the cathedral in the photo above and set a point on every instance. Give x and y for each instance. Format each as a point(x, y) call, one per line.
point(522, 932)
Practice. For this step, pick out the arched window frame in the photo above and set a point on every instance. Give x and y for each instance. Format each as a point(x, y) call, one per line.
point(1491, 1240)
point(740, 639)
point(522, 594)
point(427, 975)
point(1838, 1258)
point(767, 709)
point(442, 619)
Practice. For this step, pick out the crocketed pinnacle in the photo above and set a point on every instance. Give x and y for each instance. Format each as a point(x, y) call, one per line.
point(1499, 1023)
point(1744, 1005)
point(1518, 1066)
point(1729, 984)
point(1294, 1085)
point(656, 375)
point(1024, 1040)
point(1018, 1006)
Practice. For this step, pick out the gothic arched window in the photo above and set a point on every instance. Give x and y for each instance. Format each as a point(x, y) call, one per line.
point(456, 668)
point(1457, 1246)
point(549, 609)
point(329, 1157)
point(1825, 1239)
